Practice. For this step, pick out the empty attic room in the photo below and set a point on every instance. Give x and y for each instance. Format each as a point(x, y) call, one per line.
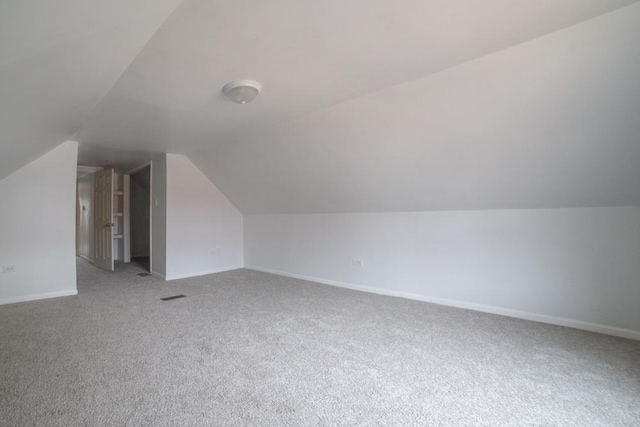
point(333, 213)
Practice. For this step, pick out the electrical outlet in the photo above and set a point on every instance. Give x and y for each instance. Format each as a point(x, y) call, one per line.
point(356, 262)
point(8, 269)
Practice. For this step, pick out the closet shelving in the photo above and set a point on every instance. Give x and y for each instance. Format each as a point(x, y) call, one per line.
point(121, 231)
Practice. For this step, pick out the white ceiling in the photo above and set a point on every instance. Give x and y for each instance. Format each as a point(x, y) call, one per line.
point(550, 123)
point(367, 105)
point(57, 59)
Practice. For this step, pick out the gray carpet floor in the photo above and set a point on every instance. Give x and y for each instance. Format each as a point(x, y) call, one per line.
point(249, 348)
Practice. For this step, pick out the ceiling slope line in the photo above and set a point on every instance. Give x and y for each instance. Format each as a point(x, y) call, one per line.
point(76, 135)
point(256, 132)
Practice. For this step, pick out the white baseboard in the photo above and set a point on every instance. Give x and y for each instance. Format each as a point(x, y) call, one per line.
point(158, 275)
point(86, 259)
point(543, 318)
point(35, 297)
point(204, 273)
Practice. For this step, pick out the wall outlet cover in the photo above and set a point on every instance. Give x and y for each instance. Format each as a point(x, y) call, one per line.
point(8, 269)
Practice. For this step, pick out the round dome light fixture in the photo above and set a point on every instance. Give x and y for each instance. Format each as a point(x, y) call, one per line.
point(242, 91)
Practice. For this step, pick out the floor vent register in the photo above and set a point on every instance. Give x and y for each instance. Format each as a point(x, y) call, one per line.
point(172, 298)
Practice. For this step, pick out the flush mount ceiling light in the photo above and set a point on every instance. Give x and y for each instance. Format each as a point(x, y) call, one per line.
point(242, 91)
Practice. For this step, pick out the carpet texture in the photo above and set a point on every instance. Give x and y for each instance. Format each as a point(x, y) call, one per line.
point(249, 348)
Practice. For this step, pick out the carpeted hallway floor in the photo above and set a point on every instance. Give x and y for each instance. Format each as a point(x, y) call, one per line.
point(248, 348)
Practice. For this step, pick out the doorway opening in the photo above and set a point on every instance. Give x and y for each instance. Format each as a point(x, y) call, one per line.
point(140, 217)
point(113, 217)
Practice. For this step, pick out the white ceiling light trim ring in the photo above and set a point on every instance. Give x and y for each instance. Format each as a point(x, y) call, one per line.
point(242, 91)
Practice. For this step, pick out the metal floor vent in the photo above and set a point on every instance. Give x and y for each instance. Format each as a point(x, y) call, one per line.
point(144, 274)
point(173, 297)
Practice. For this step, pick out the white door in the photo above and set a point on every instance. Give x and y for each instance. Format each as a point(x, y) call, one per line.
point(103, 218)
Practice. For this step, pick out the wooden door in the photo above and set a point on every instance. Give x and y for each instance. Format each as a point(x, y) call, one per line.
point(103, 218)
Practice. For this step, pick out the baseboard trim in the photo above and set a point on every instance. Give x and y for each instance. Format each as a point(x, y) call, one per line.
point(204, 273)
point(36, 297)
point(158, 275)
point(525, 315)
point(86, 259)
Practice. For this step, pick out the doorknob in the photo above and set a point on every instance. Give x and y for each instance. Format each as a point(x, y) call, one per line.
point(107, 225)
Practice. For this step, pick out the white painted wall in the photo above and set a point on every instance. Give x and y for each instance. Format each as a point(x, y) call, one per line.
point(37, 227)
point(204, 230)
point(159, 215)
point(577, 267)
point(85, 234)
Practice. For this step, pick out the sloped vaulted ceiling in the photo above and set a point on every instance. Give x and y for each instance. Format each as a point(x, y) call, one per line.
point(554, 122)
point(380, 105)
point(57, 59)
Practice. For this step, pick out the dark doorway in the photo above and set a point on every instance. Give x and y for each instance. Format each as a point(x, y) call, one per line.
point(140, 204)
